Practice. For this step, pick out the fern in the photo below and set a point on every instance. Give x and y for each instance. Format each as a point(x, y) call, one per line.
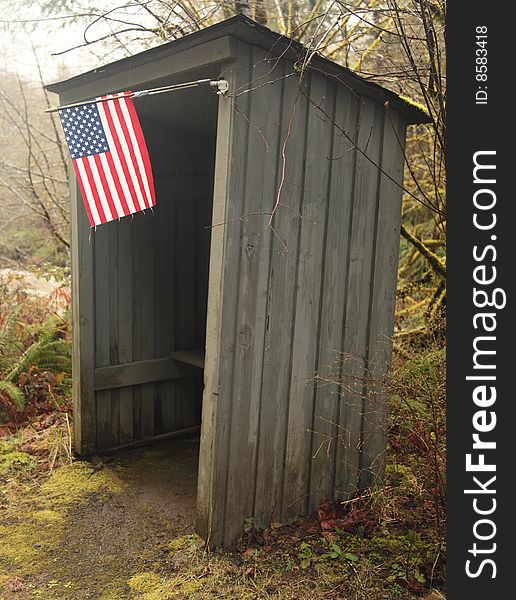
point(47, 352)
point(13, 393)
point(10, 344)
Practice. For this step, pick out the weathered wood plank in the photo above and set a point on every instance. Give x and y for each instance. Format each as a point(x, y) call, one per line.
point(146, 256)
point(164, 298)
point(307, 303)
point(114, 293)
point(281, 293)
point(185, 289)
point(383, 300)
point(125, 326)
point(105, 438)
point(358, 296)
point(203, 236)
point(335, 275)
point(251, 313)
point(142, 372)
point(83, 345)
point(137, 307)
point(194, 356)
point(232, 133)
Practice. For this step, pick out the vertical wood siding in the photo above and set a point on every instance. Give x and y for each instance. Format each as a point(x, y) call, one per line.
point(150, 292)
point(311, 295)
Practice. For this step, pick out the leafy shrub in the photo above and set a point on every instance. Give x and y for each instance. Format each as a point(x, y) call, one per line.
point(35, 363)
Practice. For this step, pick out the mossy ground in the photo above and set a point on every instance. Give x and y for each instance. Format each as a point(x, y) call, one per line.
point(122, 528)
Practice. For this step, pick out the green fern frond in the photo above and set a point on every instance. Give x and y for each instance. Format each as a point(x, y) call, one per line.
point(10, 343)
point(47, 352)
point(14, 393)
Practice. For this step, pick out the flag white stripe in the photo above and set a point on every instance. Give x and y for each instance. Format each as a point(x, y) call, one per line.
point(136, 148)
point(111, 184)
point(125, 149)
point(90, 199)
point(100, 189)
point(116, 158)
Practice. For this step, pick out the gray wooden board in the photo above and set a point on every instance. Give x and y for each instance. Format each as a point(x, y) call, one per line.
point(83, 344)
point(281, 290)
point(358, 295)
point(102, 331)
point(164, 297)
point(125, 329)
point(184, 290)
point(307, 302)
point(383, 299)
point(142, 372)
point(335, 272)
point(251, 311)
point(232, 135)
point(113, 303)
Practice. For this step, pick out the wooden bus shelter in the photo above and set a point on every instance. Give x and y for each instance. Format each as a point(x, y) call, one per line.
point(209, 313)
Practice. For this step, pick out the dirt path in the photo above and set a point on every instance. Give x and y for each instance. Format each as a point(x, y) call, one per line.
point(95, 529)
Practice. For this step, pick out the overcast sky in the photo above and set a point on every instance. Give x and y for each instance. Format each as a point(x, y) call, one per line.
point(21, 25)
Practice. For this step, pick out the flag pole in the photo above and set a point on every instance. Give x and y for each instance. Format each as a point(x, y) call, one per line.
point(220, 84)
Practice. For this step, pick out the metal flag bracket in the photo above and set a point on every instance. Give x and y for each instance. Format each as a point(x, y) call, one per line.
point(221, 85)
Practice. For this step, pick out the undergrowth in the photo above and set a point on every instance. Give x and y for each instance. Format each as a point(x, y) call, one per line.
point(35, 364)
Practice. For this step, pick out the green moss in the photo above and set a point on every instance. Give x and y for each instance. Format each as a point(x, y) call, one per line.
point(182, 586)
point(14, 461)
point(414, 104)
point(184, 542)
point(73, 484)
point(30, 541)
point(33, 534)
point(147, 586)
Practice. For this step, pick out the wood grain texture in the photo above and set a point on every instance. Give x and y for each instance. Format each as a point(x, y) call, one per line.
point(83, 332)
point(359, 284)
point(142, 372)
point(326, 433)
point(307, 300)
point(125, 331)
point(107, 426)
point(251, 305)
point(383, 300)
point(280, 300)
point(229, 185)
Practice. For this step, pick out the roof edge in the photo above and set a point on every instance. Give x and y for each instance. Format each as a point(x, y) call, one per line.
point(244, 28)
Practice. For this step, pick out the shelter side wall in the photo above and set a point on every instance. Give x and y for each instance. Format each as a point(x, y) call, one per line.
point(301, 295)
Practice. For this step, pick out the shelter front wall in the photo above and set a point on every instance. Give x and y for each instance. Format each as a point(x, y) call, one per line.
point(150, 294)
point(300, 313)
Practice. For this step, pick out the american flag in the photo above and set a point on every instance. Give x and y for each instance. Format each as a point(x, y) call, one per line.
point(110, 157)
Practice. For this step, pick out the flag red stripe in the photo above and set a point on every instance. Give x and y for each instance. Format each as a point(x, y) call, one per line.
point(120, 153)
point(106, 187)
point(83, 192)
point(134, 160)
point(143, 147)
point(116, 180)
point(115, 166)
point(93, 187)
